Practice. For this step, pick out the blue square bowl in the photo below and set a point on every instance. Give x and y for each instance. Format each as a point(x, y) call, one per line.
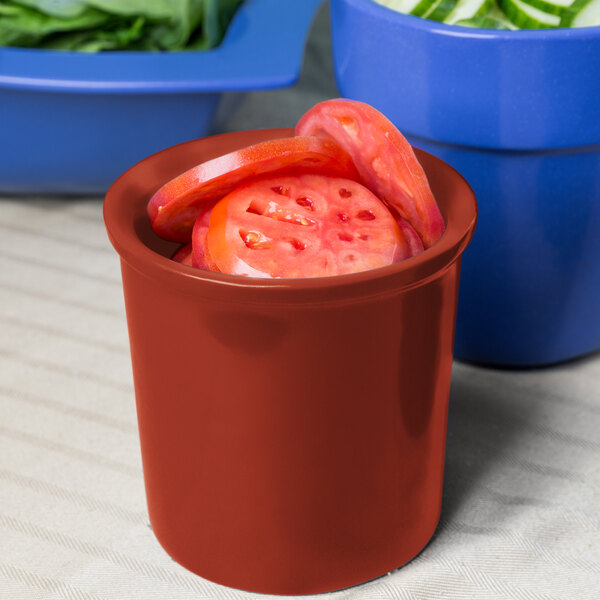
point(71, 123)
point(518, 114)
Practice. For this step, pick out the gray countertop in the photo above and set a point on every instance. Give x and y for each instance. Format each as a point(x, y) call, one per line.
point(522, 494)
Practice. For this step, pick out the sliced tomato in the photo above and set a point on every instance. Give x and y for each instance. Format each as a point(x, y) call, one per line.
point(212, 265)
point(175, 206)
point(385, 160)
point(183, 255)
point(199, 258)
point(303, 226)
point(413, 241)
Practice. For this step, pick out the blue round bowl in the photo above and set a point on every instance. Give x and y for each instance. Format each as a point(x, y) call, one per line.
point(518, 114)
point(72, 122)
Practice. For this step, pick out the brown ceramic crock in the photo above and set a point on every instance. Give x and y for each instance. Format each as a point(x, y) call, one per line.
point(292, 430)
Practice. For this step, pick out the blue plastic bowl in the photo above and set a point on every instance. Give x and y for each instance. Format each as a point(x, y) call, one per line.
point(518, 114)
point(73, 122)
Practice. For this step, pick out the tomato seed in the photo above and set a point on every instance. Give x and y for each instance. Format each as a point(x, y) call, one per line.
point(366, 215)
point(350, 258)
point(282, 191)
point(364, 236)
point(278, 213)
point(297, 244)
point(255, 240)
point(345, 237)
point(344, 193)
point(305, 203)
point(255, 209)
point(343, 218)
point(349, 125)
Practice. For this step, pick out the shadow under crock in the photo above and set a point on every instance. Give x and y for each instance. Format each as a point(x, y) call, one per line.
point(482, 427)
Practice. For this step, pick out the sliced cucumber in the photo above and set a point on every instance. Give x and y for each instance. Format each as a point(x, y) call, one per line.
point(582, 13)
point(440, 10)
point(403, 6)
point(489, 14)
point(423, 7)
point(552, 7)
point(496, 14)
point(483, 22)
point(589, 16)
point(527, 17)
point(467, 9)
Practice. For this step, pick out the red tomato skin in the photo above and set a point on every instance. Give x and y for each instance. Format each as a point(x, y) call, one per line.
point(304, 226)
point(385, 160)
point(173, 209)
point(183, 255)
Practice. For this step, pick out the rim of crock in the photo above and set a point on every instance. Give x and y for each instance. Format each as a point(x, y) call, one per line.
point(120, 219)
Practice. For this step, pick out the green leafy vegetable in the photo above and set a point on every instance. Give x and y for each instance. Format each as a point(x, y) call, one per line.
point(64, 9)
point(94, 25)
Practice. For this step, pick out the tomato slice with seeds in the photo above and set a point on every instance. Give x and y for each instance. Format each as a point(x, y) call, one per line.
point(412, 238)
point(183, 255)
point(173, 209)
point(385, 160)
point(212, 265)
point(303, 226)
point(199, 258)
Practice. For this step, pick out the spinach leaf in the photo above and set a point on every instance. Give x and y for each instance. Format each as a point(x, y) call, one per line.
point(95, 25)
point(57, 8)
point(23, 26)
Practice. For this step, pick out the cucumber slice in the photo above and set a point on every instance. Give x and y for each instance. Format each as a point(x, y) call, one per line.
point(482, 22)
point(552, 7)
point(403, 6)
point(440, 10)
point(528, 17)
point(467, 9)
point(424, 6)
point(589, 16)
point(496, 14)
point(582, 13)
